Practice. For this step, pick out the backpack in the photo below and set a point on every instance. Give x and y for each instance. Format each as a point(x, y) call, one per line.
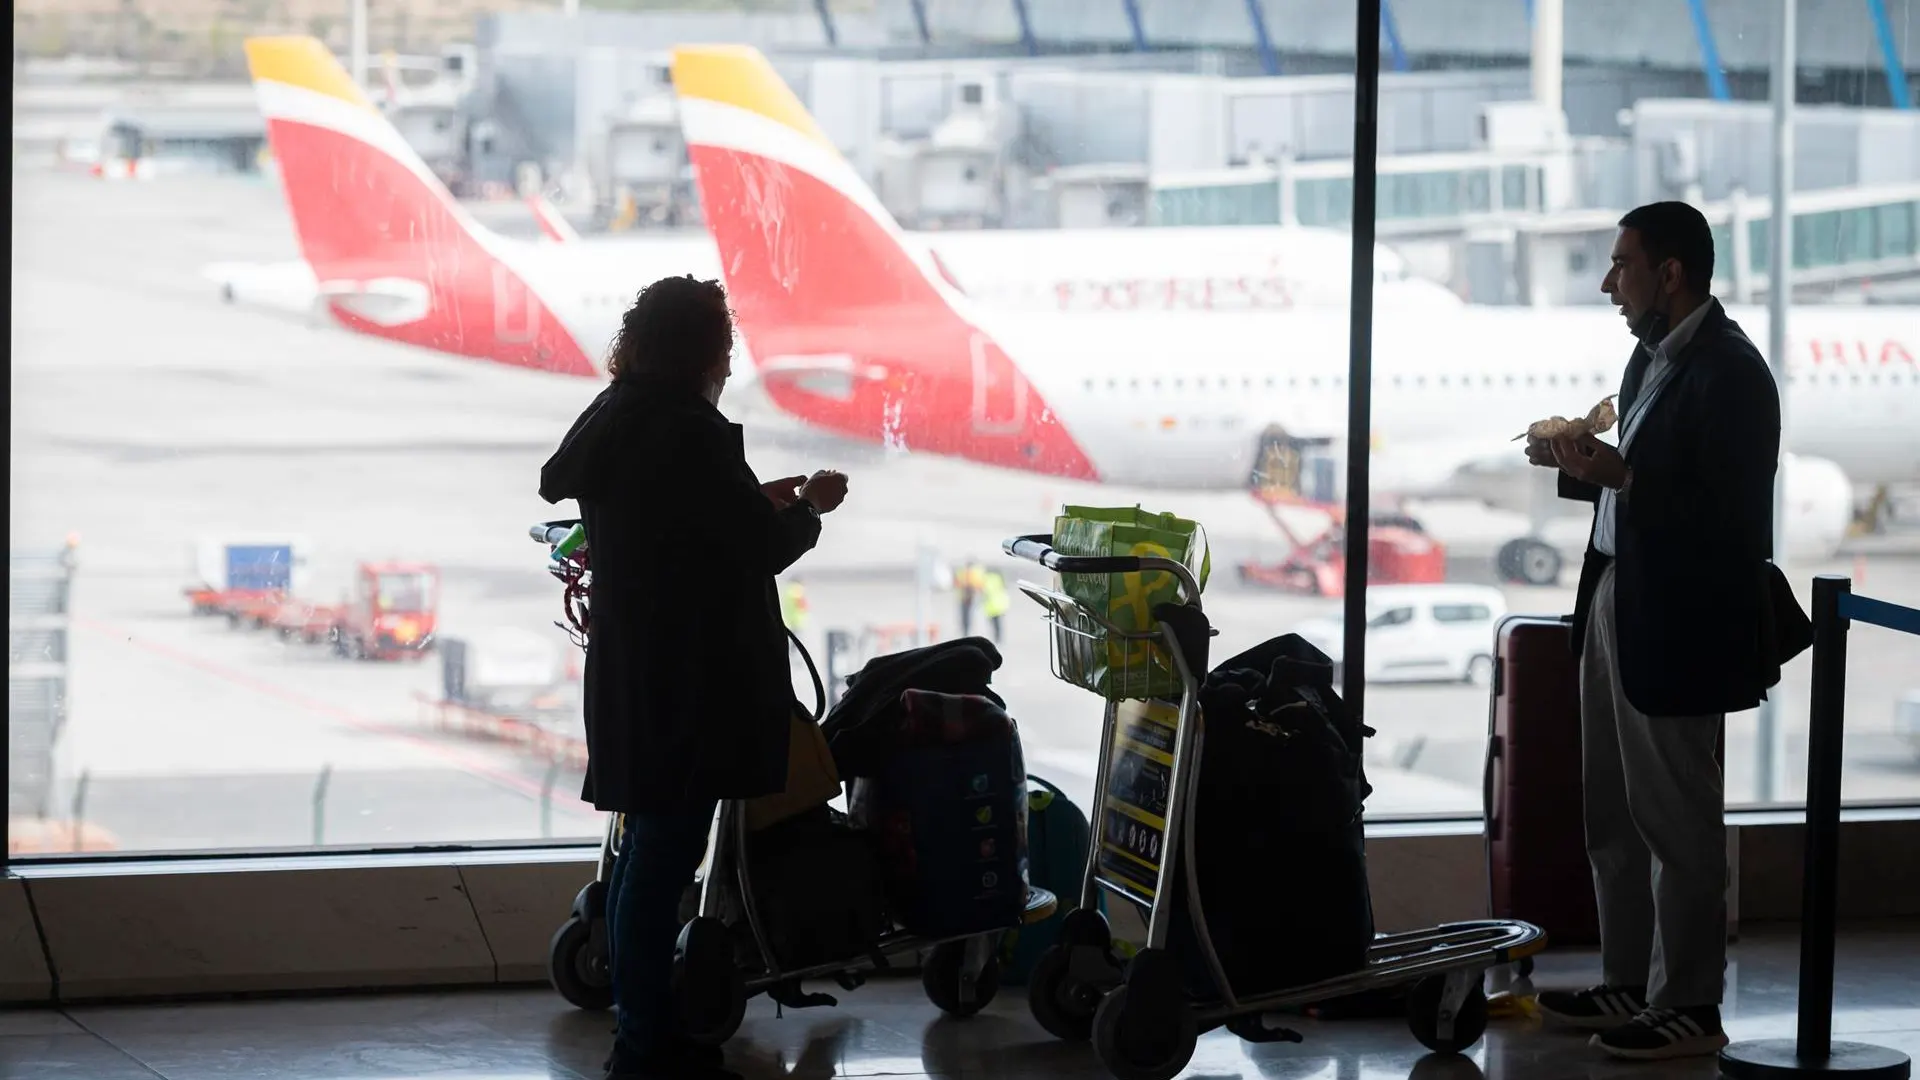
point(863, 727)
point(1057, 839)
point(948, 811)
point(1279, 839)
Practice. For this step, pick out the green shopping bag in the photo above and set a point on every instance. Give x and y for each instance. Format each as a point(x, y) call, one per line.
point(1089, 657)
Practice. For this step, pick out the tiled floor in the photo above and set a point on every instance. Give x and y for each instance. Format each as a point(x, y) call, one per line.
point(884, 1029)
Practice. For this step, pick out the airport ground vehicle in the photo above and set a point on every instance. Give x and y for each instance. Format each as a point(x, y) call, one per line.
point(1399, 551)
point(391, 613)
point(1143, 1024)
point(960, 974)
point(1421, 633)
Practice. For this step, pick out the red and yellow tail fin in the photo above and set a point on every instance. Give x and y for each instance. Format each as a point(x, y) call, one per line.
point(392, 251)
point(853, 326)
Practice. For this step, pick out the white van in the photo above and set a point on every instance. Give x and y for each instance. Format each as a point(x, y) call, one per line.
point(1421, 633)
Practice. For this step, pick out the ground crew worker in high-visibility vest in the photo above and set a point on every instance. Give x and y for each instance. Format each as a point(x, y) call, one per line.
point(793, 607)
point(993, 600)
point(967, 584)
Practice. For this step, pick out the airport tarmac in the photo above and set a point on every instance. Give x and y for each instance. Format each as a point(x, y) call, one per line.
point(147, 414)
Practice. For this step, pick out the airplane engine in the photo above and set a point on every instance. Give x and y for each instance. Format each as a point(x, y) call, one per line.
point(1818, 508)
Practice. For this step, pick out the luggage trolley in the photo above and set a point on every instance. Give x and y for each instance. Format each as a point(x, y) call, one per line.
point(712, 980)
point(1143, 1023)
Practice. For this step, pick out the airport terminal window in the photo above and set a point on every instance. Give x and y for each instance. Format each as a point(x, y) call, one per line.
point(1854, 329)
point(220, 446)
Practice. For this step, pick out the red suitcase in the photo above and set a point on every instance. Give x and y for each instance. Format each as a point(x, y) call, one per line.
point(1536, 839)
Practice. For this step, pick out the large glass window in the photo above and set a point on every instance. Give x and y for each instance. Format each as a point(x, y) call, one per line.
point(294, 334)
point(1541, 327)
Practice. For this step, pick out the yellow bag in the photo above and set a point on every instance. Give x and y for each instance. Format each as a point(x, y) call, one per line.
point(811, 777)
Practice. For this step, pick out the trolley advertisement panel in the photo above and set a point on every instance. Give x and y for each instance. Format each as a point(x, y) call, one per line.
point(1133, 814)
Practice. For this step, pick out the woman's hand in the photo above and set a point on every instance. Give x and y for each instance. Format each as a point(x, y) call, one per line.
point(783, 491)
point(826, 490)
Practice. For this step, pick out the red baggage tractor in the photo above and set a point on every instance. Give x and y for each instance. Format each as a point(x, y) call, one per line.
point(1536, 836)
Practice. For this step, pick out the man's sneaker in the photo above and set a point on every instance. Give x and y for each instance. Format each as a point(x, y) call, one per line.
point(1601, 1008)
point(1656, 1034)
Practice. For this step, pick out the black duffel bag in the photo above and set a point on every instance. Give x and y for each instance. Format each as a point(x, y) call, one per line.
point(1279, 845)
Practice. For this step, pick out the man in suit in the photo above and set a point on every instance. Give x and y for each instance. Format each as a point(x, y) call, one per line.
point(1671, 624)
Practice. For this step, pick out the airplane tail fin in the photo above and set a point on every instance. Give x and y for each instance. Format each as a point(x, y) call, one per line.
point(852, 326)
point(353, 184)
point(393, 253)
point(803, 231)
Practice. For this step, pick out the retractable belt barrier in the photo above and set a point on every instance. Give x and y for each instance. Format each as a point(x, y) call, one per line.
point(1813, 1052)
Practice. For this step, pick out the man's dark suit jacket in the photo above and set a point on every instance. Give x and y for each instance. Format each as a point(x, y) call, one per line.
point(1694, 530)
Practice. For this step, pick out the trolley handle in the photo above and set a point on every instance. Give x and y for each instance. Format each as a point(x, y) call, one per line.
point(552, 532)
point(1038, 548)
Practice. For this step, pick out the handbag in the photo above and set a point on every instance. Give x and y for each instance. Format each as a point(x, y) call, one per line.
point(811, 777)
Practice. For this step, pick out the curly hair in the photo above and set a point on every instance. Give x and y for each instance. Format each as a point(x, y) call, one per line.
point(677, 329)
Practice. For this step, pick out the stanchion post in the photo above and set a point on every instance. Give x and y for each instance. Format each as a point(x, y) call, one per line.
point(1826, 738)
point(1814, 1053)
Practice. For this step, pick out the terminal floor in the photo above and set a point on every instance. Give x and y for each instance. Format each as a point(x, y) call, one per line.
point(887, 1030)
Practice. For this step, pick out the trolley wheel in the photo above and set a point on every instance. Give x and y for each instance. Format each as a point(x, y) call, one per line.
point(1152, 1047)
point(1060, 1003)
point(709, 993)
point(1461, 1030)
point(577, 969)
point(943, 977)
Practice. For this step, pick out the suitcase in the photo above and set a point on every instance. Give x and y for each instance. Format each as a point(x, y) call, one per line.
point(1536, 836)
point(949, 812)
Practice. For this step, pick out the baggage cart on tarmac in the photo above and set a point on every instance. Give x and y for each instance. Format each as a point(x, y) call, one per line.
point(1143, 1022)
point(960, 974)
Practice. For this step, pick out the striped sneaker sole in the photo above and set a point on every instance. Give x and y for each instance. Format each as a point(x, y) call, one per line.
point(1688, 1046)
point(1615, 1009)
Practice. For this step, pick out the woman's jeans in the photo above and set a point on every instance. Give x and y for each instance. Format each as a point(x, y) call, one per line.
point(658, 857)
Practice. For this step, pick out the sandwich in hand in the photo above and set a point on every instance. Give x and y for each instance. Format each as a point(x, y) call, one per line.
point(1598, 419)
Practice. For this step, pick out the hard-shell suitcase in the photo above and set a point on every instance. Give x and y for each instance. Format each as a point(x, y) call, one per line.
point(1536, 836)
